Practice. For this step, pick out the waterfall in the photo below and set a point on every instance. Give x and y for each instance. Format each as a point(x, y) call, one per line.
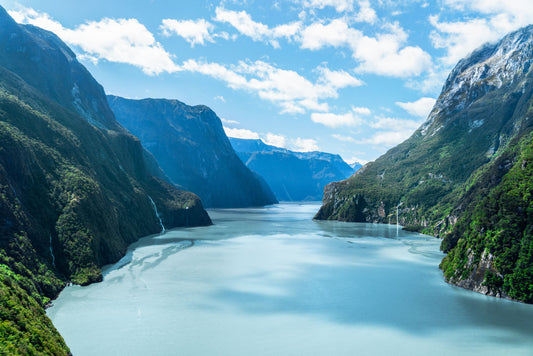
point(157, 214)
point(397, 217)
point(52, 252)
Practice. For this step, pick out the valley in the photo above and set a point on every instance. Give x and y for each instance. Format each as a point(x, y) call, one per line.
point(144, 225)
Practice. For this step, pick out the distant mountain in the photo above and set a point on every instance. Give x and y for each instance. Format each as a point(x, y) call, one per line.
point(293, 176)
point(465, 174)
point(356, 166)
point(75, 189)
point(191, 147)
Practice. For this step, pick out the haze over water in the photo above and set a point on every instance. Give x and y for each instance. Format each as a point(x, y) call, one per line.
point(271, 281)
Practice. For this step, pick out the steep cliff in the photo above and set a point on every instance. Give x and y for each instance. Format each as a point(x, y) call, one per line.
point(490, 249)
point(191, 147)
point(75, 189)
point(438, 178)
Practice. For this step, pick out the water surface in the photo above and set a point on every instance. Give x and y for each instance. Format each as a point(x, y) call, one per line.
point(271, 281)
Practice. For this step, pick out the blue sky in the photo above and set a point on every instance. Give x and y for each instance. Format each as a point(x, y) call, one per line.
point(353, 77)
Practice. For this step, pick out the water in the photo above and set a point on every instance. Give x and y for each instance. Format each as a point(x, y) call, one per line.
point(52, 252)
point(397, 217)
point(163, 230)
point(273, 282)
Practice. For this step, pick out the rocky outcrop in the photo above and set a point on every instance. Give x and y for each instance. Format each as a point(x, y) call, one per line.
point(475, 281)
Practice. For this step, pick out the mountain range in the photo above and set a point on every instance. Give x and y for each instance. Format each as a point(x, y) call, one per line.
point(292, 176)
point(191, 147)
point(464, 175)
point(75, 186)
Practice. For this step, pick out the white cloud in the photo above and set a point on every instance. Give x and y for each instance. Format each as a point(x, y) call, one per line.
point(275, 140)
point(241, 133)
point(115, 40)
point(343, 138)
point(128, 41)
point(522, 10)
point(338, 79)
point(339, 5)
point(431, 82)
point(384, 54)
point(215, 70)
point(318, 35)
point(386, 138)
point(394, 124)
point(354, 159)
point(194, 32)
point(287, 30)
point(491, 20)
point(366, 13)
point(288, 89)
point(43, 20)
point(305, 145)
point(229, 122)
point(361, 110)
point(422, 107)
point(336, 120)
point(296, 144)
point(243, 22)
point(391, 131)
point(351, 118)
point(461, 38)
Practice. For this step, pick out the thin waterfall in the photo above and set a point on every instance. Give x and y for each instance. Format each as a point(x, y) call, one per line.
point(397, 218)
point(52, 252)
point(397, 206)
point(157, 214)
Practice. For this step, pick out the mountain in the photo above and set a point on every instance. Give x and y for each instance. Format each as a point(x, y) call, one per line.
point(356, 166)
point(293, 176)
point(191, 147)
point(464, 175)
point(75, 189)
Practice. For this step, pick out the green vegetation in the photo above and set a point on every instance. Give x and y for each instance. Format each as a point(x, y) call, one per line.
point(73, 190)
point(484, 210)
point(499, 223)
point(464, 176)
point(24, 327)
point(74, 186)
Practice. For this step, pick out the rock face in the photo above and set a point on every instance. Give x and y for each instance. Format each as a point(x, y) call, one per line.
point(43, 61)
point(470, 148)
point(490, 247)
point(191, 147)
point(75, 188)
point(293, 176)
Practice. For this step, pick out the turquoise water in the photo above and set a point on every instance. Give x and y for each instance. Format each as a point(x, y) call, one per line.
point(271, 281)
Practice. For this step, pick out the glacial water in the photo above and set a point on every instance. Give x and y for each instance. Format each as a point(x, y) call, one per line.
point(273, 282)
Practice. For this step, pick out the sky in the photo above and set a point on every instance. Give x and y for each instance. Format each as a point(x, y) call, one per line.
point(353, 77)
